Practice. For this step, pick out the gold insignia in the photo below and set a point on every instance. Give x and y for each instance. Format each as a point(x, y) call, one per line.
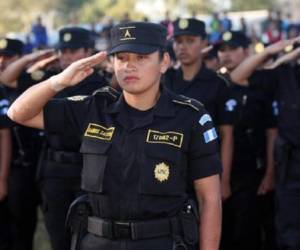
point(162, 172)
point(37, 75)
point(171, 138)
point(183, 24)
point(77, 98)
point(288, 48)
point(3, 43)
point(127, 34)
point(227, 36)
point(67, 37)
point(259, 48)
point(100, 132)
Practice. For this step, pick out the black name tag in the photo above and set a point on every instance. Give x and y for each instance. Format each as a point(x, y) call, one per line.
point(100, 132)
point(170, 137)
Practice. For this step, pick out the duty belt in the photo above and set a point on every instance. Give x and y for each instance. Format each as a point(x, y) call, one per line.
point(132, 230)
point(64, 157)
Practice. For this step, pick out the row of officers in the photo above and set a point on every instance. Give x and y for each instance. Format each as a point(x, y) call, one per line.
point(252, 102)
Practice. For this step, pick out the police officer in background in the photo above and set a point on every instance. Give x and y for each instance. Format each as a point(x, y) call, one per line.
point(60, 163)
point(283, 82)
point(248, 208)
point(22, 193)
point(143, 166)
point(194, 80)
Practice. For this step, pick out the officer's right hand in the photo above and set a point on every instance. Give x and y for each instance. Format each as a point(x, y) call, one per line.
point(38, 55)
point(78, 70)
point(280, 46)
point(226, 190)
point(3, 189)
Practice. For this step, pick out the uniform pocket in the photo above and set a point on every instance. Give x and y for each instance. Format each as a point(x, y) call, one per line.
point(94, 164)
point(162, 172)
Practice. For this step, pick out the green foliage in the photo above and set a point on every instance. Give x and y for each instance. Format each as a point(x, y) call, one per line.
point(242, 5)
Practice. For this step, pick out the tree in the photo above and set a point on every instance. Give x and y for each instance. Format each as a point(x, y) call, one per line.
point(242, 5)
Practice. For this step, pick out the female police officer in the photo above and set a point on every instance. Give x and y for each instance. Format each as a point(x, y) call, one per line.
point(146, 151)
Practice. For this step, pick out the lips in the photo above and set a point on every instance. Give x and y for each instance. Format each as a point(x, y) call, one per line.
point(130, 78)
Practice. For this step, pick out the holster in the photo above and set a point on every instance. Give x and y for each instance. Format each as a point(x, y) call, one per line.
point(283, 150)
point(189, 224)
point(77, 219)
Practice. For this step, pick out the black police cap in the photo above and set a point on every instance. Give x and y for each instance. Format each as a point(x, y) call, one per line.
point(11, 47)
point(189, 26)
point(234, 39)
point(138, 37)
point(75, 38)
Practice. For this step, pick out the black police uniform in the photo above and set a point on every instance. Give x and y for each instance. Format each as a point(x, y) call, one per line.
point(61, 164)
point(22, 199)
point(5, 233)
point(206, 86)
point(283, 83)
point(244, 214)
point(136, 164)
point(139, 166)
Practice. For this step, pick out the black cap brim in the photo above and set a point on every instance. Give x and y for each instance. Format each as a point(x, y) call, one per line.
point(134, 48)
point(230, 44)
point(61, 46)
point(187, 33)
point(9, 53)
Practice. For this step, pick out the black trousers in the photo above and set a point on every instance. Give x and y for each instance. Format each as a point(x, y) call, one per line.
point(57, 195)
point(93, 242)
point(248, 219)
point(23, 200)
point(5, 235)
point(288, 202)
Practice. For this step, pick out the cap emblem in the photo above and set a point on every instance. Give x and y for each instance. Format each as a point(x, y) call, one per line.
point(67, 37)
point(183, 24)
point(227, 36)
point(3, 43)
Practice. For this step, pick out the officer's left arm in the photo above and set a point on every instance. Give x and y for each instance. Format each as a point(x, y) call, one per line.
point(209, 199)
point(5, 157)
point(204, 168)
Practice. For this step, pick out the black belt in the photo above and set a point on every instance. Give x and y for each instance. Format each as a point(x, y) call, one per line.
point(132, 230)
point(64, 157)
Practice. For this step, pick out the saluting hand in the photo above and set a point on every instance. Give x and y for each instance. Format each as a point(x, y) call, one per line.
point(77, 71)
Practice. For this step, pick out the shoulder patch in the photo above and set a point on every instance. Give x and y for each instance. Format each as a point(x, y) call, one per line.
point(77, 98)
point(187, 101)
point(107, 91)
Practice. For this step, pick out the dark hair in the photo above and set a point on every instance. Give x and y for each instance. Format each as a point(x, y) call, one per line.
point(161, 52)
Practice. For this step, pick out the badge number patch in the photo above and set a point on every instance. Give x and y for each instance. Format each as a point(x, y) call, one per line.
point(171, 138)
point(100, 132)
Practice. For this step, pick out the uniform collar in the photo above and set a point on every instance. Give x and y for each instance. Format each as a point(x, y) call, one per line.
point(203, 74)
point(163, 108)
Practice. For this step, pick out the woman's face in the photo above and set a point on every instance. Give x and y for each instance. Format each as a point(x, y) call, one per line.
point(139, 73)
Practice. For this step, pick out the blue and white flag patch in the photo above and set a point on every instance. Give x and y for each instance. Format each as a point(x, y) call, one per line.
point(230, 105)
point(210, 135)
point(204, 119)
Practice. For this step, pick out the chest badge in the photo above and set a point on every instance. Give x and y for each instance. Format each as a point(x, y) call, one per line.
point(162, 172)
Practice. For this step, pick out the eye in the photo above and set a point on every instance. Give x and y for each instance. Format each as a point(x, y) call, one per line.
point(141, 57)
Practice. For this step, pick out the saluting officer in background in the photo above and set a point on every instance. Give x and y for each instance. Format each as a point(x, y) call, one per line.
point(283, 83)
point(248, 215)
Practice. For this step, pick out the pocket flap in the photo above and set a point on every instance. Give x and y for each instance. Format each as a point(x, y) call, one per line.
point(94, 147)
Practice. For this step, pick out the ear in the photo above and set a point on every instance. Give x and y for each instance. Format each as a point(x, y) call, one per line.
point(165, 63)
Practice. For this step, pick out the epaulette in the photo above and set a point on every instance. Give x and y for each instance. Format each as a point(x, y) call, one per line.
point(187, 101)
point(107, 91)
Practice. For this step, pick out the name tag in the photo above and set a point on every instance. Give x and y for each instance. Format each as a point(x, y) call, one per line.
point(171, 138)
point(100, 132)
